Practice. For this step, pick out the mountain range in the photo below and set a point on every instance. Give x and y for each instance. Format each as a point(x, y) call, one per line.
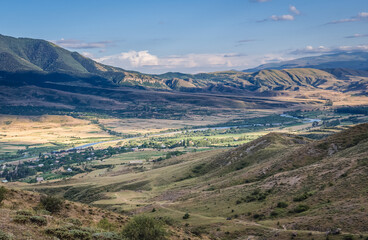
point(36, 72)
point(350, 60)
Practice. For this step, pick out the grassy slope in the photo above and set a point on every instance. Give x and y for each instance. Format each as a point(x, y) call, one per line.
point(73, 216)
point(245, 184)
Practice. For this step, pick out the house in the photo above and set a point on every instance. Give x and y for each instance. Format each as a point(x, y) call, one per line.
point(70, 170)
point(136, 162)
point(40, 165)
point(39, 179)
point(4, 181)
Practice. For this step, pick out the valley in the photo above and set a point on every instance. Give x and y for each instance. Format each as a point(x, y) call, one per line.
point(274, 152)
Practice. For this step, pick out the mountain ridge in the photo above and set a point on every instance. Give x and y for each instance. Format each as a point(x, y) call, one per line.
point(26, 54)
point(349, 60)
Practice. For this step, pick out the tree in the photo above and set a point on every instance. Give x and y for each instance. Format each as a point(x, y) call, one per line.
point(144, 228)
point(51, 204)
point(3, 192)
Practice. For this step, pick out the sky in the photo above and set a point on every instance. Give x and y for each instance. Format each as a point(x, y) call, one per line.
point(191, 36)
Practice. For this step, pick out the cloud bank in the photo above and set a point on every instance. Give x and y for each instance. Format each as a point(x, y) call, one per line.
point(145, 61)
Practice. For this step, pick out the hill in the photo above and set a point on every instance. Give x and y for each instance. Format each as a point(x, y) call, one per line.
point(349, 60)
point(278, 186)
point(22, 216)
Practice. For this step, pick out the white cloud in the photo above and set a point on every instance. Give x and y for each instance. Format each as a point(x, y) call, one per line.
point(131, 59)
point(360, 17)
point(146, 62)
point(87, 54)
point(363, 15)
point(294, 10)
point(286, 17)
point(329, 50)
point(358, 35)
point(78, 44)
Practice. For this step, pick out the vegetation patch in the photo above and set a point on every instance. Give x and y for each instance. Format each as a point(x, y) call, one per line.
point(51, 204)
point(144, 228)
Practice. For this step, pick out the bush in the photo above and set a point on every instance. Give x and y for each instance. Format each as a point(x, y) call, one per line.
point(144, 228)
point(3, 192)
point(274, 214)
point(38, 220)
point(106, 236)
point(51, 204)
point(4, 236)
point(348, 237)
point(70, 233)
point(301, 208)
point(259, 216)
point(21, 219)
point(24, 213)
point(282, 205)
point(302, 197)
point(166, 220)
point(105, 225)
point(186, 216)
point(75, 221)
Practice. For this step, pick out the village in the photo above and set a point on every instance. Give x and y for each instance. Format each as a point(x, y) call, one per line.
point(63, 163)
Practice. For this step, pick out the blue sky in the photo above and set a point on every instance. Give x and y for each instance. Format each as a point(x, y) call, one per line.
point(191, 35)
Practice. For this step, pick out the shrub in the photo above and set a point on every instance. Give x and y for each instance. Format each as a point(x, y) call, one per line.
point(3, 192)
point(105, 225)
point(282, 205)
point(24, 213)
point(38, 220)
point(301, 208)
point(348, 237)
point(106, 236)
point(166, 220)
point(51, 204)
point(274, 214)
point(75, 221)
point(4, 236)
point(144, 228)
point(258, 216)
point(21, 219)
point(186, 216)
point(70, 233)
point(302, 197)
point(80, 234)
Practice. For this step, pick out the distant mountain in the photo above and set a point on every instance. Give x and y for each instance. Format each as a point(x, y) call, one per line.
point(39, 73)
point(26, 54)
point(20, 55)
point(354, 60)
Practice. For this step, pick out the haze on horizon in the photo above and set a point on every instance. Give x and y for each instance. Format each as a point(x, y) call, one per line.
point(191, 36)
